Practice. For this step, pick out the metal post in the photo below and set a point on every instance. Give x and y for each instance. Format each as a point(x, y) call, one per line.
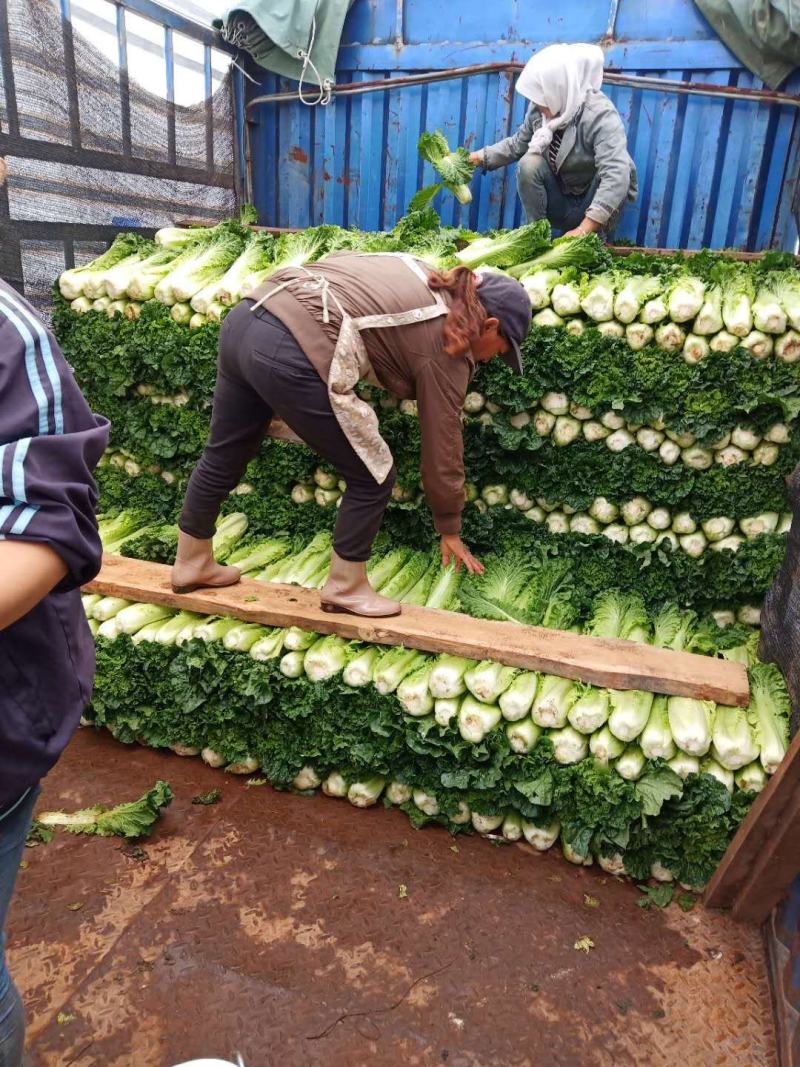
point(124, 84)
point(169, 60)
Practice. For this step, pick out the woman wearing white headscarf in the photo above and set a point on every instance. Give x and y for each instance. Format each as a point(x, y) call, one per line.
point(574, 167)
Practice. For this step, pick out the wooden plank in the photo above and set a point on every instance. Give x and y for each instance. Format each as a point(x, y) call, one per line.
point(629, 250)
point(766, 841)
point(616, 664)
point(775, 869)
point(615, 250)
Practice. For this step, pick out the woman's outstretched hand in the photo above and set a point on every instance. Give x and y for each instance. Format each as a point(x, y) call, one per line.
point(453, 548)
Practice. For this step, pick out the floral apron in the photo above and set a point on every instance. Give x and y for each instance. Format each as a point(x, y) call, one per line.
point(351, 363)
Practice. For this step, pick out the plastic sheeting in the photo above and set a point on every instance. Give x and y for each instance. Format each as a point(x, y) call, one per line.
point(294, 38)
point(763, 34)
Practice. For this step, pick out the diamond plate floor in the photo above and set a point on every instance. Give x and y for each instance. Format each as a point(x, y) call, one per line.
point(277, 926)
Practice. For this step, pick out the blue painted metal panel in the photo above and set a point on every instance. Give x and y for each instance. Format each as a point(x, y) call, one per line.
point(712, 171)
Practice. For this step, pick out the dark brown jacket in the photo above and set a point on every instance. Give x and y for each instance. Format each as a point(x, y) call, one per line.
point(408, 361)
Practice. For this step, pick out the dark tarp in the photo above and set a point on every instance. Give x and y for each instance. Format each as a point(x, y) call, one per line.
point(763, 34)
point(281, 35)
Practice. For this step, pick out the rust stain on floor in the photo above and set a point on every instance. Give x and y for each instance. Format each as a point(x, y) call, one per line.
point(273, 925)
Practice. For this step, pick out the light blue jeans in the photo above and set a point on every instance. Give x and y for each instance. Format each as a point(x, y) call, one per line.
point(542, 196)
point(13, 831)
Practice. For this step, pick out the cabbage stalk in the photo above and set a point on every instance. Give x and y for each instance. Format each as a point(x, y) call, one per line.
point(716, 770)
point(359, 670)
point(413, 692)
point(268, 647)
point(486, 824)
point(611, 329)
point(768, 315)
point(769, 714)
point(656, 740)
point(523, 735)
point(654, 311)
point(566, 300)
point(630, 711)
point(604, 746)
point(590, 711)
point(670, 337)
point(553, 700)
point(569, 746)
point(639, 335)
point(512, 826)
point(539, 286)
point(633, 295)
point(686, 298)
point(709, 317)
point(751, 779)
point(365, 794)
point(517, 699)
point(394, 665)
point(398, 793)
point(758, 344)
point(631, 763)
point(723, 342)
point(683, 764)
point(787, 347)
point(445, 709)
point(734, 743)
point(306, 778)
point(335, 785)
point(598, 298)
point(476, 720)
point(691, 723)
point(447, 675)
point(541, 836)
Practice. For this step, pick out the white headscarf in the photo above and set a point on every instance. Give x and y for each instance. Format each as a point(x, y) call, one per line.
point(559, 78)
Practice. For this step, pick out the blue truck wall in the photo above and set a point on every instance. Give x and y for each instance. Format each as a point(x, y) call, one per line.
point(713, 172)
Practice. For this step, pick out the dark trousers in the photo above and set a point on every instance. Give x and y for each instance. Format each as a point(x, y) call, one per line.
point(261, 372)
point(543, 198)
point(14, 825)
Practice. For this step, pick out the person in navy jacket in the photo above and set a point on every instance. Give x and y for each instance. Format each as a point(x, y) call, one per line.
point(50, 442)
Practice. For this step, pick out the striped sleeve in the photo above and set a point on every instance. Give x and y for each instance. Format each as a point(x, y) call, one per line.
point(50, 443)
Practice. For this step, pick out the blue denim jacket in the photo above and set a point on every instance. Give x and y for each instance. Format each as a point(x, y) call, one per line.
point(593, 143)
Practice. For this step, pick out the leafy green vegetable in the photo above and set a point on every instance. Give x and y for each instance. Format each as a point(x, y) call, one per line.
point(581, 253)
point(656, 896)
point(132, 819)
point(72, 283)
point(454, 168)
point(507, 248)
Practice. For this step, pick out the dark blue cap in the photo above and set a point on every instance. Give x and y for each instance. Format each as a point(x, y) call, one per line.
point(507, 300)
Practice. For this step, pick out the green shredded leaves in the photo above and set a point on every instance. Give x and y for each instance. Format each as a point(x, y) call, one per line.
point(656, 896)
point(132, 819)
point(454, 168)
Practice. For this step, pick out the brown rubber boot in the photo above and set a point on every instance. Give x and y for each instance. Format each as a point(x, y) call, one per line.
point(347, 590)
point(196, 568)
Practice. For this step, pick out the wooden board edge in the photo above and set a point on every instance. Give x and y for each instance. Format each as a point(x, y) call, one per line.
point(774, 869)
point(753, 836)
point(611, 664)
